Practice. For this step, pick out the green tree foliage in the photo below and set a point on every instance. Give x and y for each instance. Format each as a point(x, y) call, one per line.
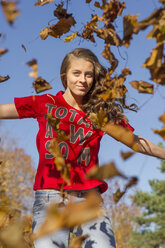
point(151, 230)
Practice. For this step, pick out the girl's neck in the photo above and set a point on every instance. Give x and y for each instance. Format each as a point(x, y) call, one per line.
point(72, 100)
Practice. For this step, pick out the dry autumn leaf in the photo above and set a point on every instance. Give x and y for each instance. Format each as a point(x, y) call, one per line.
point(74, 214)
point(10, 11)
point(71, 37)
point(104, 172)
point(161, 132)
point(41, 85)
point(34, 66)
point(43, 2)
point(126, 155)
point(120, 133)
point(3, 51)
point(118, 194)
point(3, 79)
point(143, 87)
point(59, 160)
point(162, 118)
point(99, 119)
point(23, 47)
point(54, 122)
point(77, 242)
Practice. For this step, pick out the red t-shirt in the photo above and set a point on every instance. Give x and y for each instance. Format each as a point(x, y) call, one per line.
point(81, 150)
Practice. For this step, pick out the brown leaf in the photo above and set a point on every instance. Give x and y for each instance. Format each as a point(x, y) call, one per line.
point(161, 132)
point(143, 87)
point(109, 36)
point(41, 85)
point(104, 172)
point(44, 33)
point(77, 241)
point(120, 133)
point(88, 1)
point(99, 119)
point(71, 37)
point(63, 26)
point(118, 194)
point(130, 22)
point(162, 118)
point(34, 66)
point(3, 79)
point(74, 214)
point(126, 155)
point(43, 2)
point(10, 11)
point(3, 51)
point(23, 47)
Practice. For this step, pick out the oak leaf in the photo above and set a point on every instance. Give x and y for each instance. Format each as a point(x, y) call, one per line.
point(77, 242)
point(99, 119)
point(43, 2)
point(161, 132)
point(41, 85)
point(34, 66)
point(3, 79)
point(162, 118)
point(104, 172)
point(120, 133)
point(3, 51)
point(71, 37)
point(143, 87)
point(10, 11)
point(126, 155)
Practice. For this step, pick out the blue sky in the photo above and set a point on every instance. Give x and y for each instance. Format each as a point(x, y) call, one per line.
point(50, 53)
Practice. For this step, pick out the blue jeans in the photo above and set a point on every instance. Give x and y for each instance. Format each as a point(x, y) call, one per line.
point(99, 231)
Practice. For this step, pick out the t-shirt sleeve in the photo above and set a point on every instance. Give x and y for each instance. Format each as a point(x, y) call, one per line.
point(125, 124)
point(29, 107)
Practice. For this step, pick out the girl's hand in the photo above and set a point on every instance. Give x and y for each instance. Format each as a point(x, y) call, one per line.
point(8, 111)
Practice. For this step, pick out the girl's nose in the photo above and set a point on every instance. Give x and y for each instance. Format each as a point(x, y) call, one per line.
point(83, 78)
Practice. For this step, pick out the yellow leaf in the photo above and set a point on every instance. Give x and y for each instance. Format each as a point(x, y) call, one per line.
point(161, 132)
point(71, 37)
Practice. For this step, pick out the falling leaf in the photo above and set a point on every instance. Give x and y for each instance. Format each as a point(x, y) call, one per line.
point(3, 79)
point(162, 118)
point(104, 172)
point(34, 66)
point(10, 11)
point(122, 134)
point(74, 214)
point(71, 37)
point(143, 87)
point(126, 155)
point(59, 160)
point(130, 22)
point(88, 1)
point(161, 132)
point(41, 85)
point(43, 2)
point(44, 33)
point(23, 47)
point(118, 194)
point(55, 122)
point(77, 242)
point(99, 119)
point(3, 51)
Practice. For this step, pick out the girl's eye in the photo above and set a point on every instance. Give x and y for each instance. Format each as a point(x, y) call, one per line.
point(76, 73)
point(89, 75)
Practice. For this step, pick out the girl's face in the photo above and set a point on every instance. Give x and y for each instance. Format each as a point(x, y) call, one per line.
point(79, 76)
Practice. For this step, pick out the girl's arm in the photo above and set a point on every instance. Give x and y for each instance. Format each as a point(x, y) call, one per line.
point(8, 111)
point(147, 147)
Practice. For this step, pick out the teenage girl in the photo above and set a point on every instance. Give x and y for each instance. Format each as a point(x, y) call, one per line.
point(82, 76)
